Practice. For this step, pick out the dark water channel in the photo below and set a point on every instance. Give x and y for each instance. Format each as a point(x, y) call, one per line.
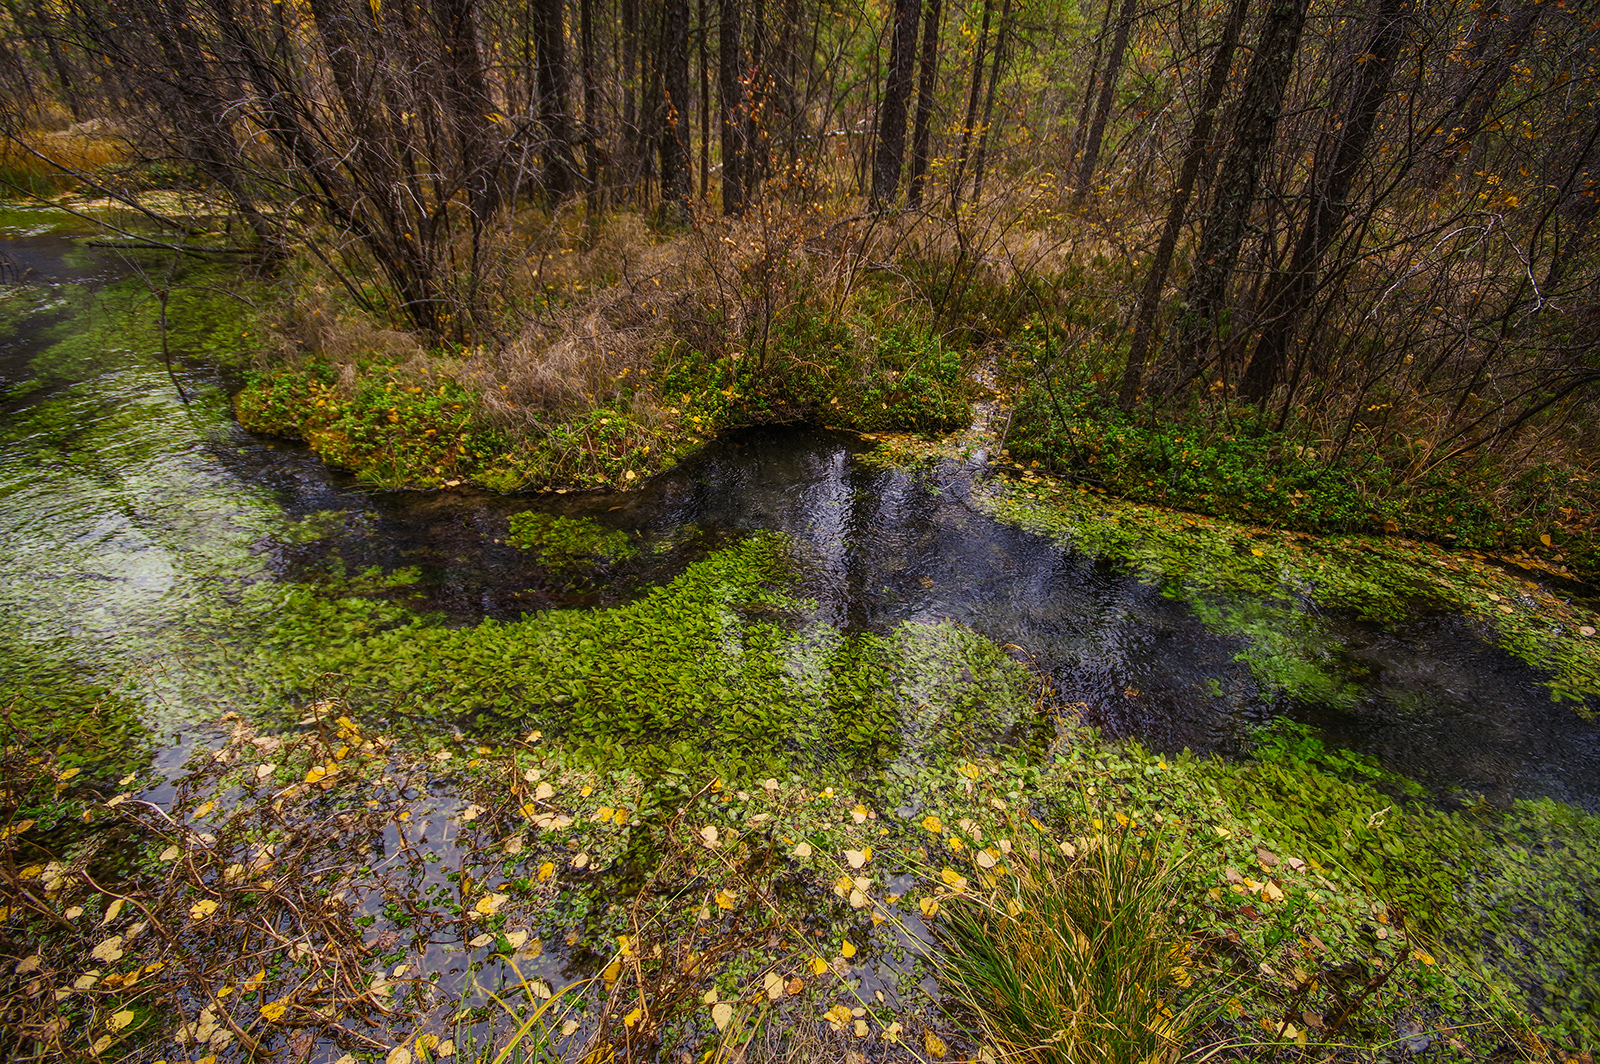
point(124, 508)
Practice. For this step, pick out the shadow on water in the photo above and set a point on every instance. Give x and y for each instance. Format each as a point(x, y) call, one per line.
point(125, 507)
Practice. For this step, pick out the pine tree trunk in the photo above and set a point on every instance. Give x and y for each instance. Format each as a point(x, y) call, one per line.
point(1107, 94)
point(730, 67)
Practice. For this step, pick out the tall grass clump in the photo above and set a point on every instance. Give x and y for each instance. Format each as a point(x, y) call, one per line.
point(1076, 957)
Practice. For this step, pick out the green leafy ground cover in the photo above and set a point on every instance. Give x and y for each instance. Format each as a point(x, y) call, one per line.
point(1233, 463)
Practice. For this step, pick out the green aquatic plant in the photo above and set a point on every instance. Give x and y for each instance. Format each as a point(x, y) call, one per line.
point(721, 664)
point(1272, 587)
point(568, 542)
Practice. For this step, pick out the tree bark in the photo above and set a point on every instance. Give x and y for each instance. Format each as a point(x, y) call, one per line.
point(729, 68)
point(1108, 89)
point(1194, 156)
point(676, 180)
point(892, 108)
point(925, 88)
point(1328, 197)
point(550, 39)
point(1254, 129)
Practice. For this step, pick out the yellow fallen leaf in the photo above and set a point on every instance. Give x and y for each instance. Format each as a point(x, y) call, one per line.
point(859, 900)
point(202, 910)
point(859, 813)
point(837, 1016)
point(932, 823)
point(1423, 955)
point(112, 912)
point(773, 984)
point(934, 1045)
point(818, 966)
point(204, 808)
point(929, 906)
point(398, 1055)
point(633, 1017)
point(316, 774)
point(709, 836)
point(721, 1015)
point(847, 950)
point(489, 904)
point(620, 817)
point(802, 850)
point(274, 1011)
point(543, 792)
point(726, 899)
point(857, 858)
point(119, 1020)
point(108, 951)
point(546, 870)
point(612, 971)
point(955, 880)
point(861, 1029)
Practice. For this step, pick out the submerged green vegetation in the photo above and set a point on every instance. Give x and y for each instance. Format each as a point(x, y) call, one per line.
point(1273, 586)
point(568, 542)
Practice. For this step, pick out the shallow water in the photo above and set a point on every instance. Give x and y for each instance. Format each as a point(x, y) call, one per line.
point(127, 509)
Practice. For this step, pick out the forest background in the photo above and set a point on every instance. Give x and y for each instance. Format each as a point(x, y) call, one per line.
point(1324, 265)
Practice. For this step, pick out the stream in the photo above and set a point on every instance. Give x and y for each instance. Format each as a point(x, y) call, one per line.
point(129, 509)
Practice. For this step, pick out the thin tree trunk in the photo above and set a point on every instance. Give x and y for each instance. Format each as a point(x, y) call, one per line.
point(1108, 90)
point(550, 38)
point(972, 107)
point(981, 156)
point(705, 103)
point(1329, 201)
point(676, 178)
point(925, 87)
point(729, 68)
point(1199, 141)
point(1255, 127)
point(892, 108)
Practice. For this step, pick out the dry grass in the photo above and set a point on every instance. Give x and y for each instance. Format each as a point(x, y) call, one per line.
point(46, 163)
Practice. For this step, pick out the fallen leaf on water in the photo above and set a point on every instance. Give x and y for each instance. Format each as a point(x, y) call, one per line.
point(471, 813)
point(481, 941)
point(859, 900)
point(847, 950)
point(489, 904)
point(202, 910)
point(929, 906)
point(274, 1011)
point(818, 966)
point(857, 858)
point(721, 1015)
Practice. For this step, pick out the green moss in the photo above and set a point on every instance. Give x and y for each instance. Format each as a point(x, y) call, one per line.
point(1272, 586)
